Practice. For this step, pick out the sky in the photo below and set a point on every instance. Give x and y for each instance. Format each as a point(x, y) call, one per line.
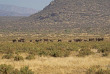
point(35, 4)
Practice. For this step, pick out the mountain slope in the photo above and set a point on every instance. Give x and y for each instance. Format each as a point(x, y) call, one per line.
point(10, 10)
point(70, 16)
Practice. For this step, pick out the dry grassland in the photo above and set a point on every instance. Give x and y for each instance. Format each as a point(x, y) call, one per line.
point(62, 65)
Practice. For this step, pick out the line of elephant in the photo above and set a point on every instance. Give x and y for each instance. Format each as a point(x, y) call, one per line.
point(60, 40)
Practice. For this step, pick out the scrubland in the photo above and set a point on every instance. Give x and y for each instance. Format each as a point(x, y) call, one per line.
point(55, 57)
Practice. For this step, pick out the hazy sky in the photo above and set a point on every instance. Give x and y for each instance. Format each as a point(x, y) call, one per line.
point(36, 4)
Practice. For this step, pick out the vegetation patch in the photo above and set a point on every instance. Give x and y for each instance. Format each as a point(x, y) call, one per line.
point(54, 49)
point(84, 52)
point(30, 57)
point(105, 54)
point(18, 58)
point(8, 69)
point(97, 70)
point(8, 56)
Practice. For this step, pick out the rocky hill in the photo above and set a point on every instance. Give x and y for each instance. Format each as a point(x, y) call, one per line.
point(70, 16)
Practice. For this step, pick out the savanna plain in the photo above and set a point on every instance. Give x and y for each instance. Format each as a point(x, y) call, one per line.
point(60, 54)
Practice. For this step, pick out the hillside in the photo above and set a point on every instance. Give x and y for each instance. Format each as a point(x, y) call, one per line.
point(10, 10)
point(70, 16)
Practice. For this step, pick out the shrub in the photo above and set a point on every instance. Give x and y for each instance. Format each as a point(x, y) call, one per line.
point(97, 70)
point(7, 56)
point(26, 70)
point(16, 71)
point(59, 53)
point(103, 50)
point(42, 52)
point(84, 52)
point(93, 69)
point(32, 52)
point(6, 69)
point(105, 54)
point(18, 58)
point(30, 57)
point(9, 51)
point(17, 53)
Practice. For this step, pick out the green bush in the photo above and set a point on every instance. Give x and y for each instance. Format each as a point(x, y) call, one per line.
point(6, 69)
point(8, 56)
point(105, 54)
point(26, 70)
point(16, 71)
point(93, 69)
point(42, 53)
point(84, 52)
point(59, 53)
point(103, 50)
point(30, 57)
point(54, 49)
point(101, 71)
point(33, 52)
point(18, 58)
point(97, 70)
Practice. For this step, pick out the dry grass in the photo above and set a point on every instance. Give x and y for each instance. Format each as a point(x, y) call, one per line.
point(67, 65)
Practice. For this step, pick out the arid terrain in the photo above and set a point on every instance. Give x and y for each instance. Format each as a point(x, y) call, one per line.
point(63, 65)
point(56, 57)
point(66, 37)
point(63, 16)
